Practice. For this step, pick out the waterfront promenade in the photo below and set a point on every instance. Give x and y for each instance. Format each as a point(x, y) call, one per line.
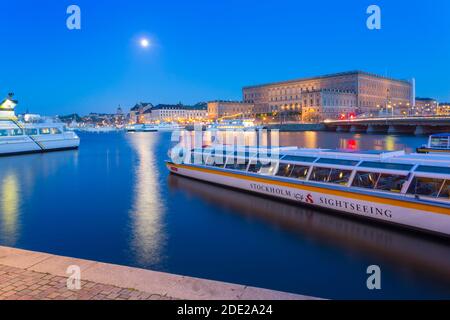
point(29, 275)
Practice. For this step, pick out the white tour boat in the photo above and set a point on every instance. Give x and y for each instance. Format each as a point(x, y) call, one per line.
point(17, 137)
point(244, 124)
point(410, 190)
point(437, 143)
point(161, 127)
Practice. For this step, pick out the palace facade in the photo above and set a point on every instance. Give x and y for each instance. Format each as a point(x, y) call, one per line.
point(330, 96)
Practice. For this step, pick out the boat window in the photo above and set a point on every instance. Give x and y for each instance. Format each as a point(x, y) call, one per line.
point(365, 179)
point(55, 131)
point(219, 160)
point(267, 168)
point(445, 190)
point(196, 158)
point(285, 169)
point(16, 132)
point(3, 132)
point(340, 176)
point(390, 182)
point(31, 132)
point(237, 164)
point(425, 186)
point(439, 142)
point(216, 161)
point(44, 131)
point(385, 165)
point(299, 172)
point(254, 166)
point(209, 161)
point(433, 169)
point(338, 161)
point(320, 174)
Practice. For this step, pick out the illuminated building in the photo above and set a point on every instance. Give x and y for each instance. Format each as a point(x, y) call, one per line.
point(326, 96)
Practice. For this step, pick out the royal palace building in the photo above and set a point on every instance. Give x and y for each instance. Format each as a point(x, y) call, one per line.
point(330, 96)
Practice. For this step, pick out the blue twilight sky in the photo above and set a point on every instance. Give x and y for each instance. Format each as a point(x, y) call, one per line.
point(208, 49)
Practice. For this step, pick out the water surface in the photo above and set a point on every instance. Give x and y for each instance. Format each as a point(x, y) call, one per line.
point(114, 201)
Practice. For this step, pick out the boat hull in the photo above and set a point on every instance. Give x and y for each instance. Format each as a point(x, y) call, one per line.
point(25, 145)
point(412, 214)
point(432, 150)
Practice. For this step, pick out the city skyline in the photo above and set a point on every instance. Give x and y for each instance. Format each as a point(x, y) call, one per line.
point(207, 51)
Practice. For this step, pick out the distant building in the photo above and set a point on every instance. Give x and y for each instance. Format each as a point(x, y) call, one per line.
point(425, 106)
point(443, 109)
point(230, 109)
point(176, 113)
point(137, 112)
point(119, 117)
point(317, 98)
point(7, 106)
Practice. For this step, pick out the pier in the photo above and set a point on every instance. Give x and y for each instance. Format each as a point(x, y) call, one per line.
point(30, 275)
point(392, 125)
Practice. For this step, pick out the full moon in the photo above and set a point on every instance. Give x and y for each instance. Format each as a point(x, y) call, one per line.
point(144, 43)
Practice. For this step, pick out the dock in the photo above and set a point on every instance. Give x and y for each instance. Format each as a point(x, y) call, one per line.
point(30, 275)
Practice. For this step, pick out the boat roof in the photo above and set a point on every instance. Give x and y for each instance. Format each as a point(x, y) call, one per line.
point(382, 159)
point(443, 135)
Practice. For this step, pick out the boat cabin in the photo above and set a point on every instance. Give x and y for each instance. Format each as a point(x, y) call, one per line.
point(439, 141)
point(420, 176)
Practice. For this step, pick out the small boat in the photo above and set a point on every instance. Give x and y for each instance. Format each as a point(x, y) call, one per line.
point(437, 143)
point(138, 127)
point(99, 129)
point(41, 135)
point(153, 127)
point(244, 124)
point(409, 190)
point(165, 126)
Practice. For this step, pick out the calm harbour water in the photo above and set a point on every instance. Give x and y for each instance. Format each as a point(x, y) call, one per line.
point(114, 201)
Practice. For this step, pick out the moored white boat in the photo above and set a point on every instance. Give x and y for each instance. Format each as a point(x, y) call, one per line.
point(17, 137)
point(410, 190)
point(238, 124)
point(161, 127)
point(437, 143)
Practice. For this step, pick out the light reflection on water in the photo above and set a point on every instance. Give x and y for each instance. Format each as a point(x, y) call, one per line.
point(419, 254)
point(148, 206)
point(9, 203)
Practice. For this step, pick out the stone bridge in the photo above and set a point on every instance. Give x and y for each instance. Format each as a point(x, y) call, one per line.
point(392, 125)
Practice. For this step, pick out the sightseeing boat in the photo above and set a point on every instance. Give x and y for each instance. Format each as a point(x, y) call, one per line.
point(437, 143)
point(32, 134)
point(409, 190)
point(161, 127)
point(238, 124)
